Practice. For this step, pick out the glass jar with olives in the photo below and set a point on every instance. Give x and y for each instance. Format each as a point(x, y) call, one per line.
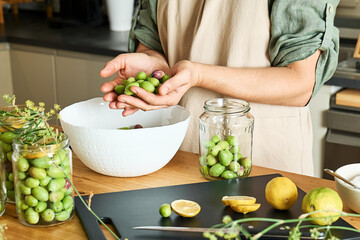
point(2, 183)
point(11, 124)
point(226, 135)
point(44, 196)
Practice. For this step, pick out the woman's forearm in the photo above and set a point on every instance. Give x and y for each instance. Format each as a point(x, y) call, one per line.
point(291, 85)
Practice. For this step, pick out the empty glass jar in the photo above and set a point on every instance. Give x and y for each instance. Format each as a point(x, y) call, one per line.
point(226, 135)
point(44, 196)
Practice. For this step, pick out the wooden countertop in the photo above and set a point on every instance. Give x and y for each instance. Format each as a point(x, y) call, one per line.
point(182, 169)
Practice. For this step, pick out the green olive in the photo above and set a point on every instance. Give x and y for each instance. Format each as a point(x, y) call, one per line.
point(40, 193)
point(48, 215)
point(57, 206)
point(204, 170)
point(147, 86)
point(227, 174)
point(44, 182)
point(232, 140)
point(211, 160)
point(62, 216)
point(7, 137)
point(217, 170)
point(130, 80)
point(127, 88)
point(119, 89)
point(6, 147)
point(68, 202)
point(245, 162)
point(32, 216)
point(165, 210)
point(55, 172)
point(154, 81)
point(32, 182)
point(40, 207)
point(215, 139)
point(141, 76)
point(56, 184)
point(43, 162)
point(37, 173)
point(31, 201)
point(234, 166)
point(225, 157)
point(215, 150)
point(223, 144)
point(56, 196)
point(22, 164)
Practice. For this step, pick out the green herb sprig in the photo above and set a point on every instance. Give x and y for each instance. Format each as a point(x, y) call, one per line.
point(232, 229)
point(30, 122)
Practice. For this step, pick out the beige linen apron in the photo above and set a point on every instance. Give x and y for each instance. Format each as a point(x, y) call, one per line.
point(235, 33)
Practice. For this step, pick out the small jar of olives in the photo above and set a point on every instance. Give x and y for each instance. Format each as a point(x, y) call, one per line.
point(2, 183)
point(226, 135)
point(44, 196)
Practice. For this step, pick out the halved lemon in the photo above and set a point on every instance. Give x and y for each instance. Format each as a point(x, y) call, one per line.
point(185, 208)
point(238, 200)
point(245, 208)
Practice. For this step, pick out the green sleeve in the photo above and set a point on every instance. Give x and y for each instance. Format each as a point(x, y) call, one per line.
point(144, 27)
point(298, 29)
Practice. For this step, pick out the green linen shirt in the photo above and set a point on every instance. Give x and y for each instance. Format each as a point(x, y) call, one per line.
point(298, 29)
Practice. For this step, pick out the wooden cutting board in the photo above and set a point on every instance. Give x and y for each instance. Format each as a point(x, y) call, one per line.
point(129, 209)
point(348, 97)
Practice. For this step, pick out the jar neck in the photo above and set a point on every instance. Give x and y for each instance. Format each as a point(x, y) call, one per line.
point(227, 106)
point(63, 143)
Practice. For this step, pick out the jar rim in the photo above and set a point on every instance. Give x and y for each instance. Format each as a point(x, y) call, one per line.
point(25, 147)
point(227, 105)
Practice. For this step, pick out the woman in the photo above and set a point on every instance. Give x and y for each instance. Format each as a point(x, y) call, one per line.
point(274, 54)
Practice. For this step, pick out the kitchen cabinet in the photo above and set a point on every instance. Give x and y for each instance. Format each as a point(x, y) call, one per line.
point(5, 72)
point(33, 74)
point(54, 76)
point(77, 76)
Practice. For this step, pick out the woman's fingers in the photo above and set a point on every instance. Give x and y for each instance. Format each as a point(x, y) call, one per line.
point(113, 66)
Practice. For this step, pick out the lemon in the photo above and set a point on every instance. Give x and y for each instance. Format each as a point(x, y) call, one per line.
point(245, 208)
point(185, 208)
point(238, 200)
point(281, 193)
point(165, 210)
point(322, 198)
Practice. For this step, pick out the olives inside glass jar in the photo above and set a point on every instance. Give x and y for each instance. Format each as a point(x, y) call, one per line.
point(226, 136)
point(44, 196)
point(2, 183)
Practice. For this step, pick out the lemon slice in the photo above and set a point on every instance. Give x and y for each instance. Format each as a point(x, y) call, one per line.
point(245, 208)
point(238, 200)
point(185, 208)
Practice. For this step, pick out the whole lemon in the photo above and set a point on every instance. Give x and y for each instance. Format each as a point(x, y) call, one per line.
point(281, 193)
point(322, 198)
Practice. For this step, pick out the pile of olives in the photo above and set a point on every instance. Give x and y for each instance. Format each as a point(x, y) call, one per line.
point(150, 82)
point(44, 195)
point(6, 139)
point(223, 159)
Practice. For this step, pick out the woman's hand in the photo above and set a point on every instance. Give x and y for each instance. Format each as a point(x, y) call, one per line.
point(183, 76)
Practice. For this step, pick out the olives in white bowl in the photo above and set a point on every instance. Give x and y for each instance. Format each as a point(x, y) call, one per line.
point(96, 138)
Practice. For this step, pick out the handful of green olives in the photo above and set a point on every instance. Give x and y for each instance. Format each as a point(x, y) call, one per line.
point(150, 82)
point(223, 159)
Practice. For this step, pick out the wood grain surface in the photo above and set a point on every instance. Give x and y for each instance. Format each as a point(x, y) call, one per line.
point(182, 169)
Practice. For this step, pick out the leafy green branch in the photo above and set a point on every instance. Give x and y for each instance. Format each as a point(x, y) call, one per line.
point(232, 229)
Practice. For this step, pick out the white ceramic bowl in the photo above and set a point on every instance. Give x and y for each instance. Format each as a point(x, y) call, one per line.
point(349, 194)
point(92, 128)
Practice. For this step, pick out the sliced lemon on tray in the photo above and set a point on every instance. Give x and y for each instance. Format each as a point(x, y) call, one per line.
point(245, 208)
point(185, 208)
point(238, 200)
